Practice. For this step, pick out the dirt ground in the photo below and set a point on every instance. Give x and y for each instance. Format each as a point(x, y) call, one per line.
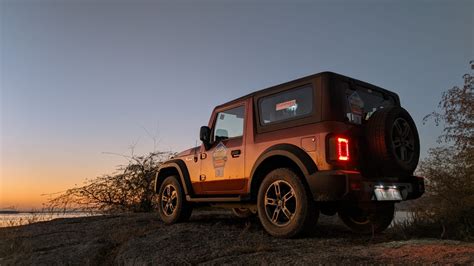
point(211, 237)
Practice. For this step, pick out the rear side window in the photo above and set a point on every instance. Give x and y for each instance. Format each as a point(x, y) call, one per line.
point(287, 105)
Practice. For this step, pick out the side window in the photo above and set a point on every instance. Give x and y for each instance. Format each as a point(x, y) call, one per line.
point(286, 105)
point(229, 124)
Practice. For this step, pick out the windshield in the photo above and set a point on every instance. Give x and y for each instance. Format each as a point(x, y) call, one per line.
point(363, 102)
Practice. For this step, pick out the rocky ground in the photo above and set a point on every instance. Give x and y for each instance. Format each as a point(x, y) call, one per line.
point(211, 237)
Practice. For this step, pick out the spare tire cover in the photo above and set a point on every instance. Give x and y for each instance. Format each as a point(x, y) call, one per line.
point(393, 142)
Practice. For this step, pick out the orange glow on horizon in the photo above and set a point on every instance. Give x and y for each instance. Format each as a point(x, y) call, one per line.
point(28, 185)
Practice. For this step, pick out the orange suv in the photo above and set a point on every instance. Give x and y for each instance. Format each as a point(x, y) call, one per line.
point(325, 143)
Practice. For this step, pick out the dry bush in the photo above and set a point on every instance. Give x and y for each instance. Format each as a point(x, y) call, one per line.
point(131, 188)
point(447, 208)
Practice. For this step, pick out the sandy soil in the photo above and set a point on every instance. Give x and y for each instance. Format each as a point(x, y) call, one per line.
point(211, 237)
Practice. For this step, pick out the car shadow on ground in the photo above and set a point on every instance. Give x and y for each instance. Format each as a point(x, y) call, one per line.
point(328, 227)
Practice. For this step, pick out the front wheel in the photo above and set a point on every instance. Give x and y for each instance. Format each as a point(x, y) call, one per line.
point(372, 220)
point(285, 207)
point(172, 204)
point(243, 212)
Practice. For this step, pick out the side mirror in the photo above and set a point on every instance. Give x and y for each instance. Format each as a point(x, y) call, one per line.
point(205, 136)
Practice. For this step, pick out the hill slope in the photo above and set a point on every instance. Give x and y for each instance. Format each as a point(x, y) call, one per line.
point(211, 237)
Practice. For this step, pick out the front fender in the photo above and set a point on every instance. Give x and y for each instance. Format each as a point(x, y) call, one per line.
point(174, 167)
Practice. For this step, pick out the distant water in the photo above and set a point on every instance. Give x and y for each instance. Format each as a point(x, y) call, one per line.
point(401, 216)
point(23, 218)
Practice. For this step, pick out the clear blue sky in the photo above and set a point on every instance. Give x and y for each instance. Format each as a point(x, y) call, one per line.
point(82, 77)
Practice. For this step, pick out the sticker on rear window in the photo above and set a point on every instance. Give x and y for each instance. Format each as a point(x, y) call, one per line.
point(356, 103)
point(286, 105)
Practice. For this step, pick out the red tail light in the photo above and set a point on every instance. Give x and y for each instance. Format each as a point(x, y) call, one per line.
point(338, 149)
point(342, 149)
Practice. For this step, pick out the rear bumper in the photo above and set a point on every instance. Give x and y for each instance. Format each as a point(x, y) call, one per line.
point(342, 184)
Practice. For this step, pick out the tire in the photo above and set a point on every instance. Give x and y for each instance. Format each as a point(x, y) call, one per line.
point(371, 221)
point(172, 204)
point(242, 212)
point(393, 143)
point(301, 213)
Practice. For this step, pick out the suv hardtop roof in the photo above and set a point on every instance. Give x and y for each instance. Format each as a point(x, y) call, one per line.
point(328, 73)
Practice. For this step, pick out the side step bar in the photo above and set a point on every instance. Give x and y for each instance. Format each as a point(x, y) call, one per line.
point(215, 199)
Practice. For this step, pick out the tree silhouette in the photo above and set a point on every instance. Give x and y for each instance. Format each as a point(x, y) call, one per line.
point(449, 168)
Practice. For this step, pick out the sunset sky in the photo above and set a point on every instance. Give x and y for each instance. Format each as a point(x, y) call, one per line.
point(82, 78)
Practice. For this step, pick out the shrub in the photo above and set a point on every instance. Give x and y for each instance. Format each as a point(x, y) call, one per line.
point(131, 188)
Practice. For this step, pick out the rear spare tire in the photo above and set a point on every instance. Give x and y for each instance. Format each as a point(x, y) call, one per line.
point(393, 142)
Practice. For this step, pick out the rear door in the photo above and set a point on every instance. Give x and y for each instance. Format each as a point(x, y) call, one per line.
point(222, 166)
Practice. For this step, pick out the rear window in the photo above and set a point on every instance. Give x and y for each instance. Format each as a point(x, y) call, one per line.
point(287, 105)
point(363, 102)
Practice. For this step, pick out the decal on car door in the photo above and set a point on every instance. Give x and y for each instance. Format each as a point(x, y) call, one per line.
point(219, 158)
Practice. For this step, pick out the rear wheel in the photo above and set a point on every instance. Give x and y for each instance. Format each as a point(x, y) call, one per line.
point(367, 221)
point(173, 206)
point(285, 208)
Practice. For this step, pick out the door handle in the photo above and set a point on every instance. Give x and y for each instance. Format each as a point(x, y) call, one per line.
point(235, 153)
